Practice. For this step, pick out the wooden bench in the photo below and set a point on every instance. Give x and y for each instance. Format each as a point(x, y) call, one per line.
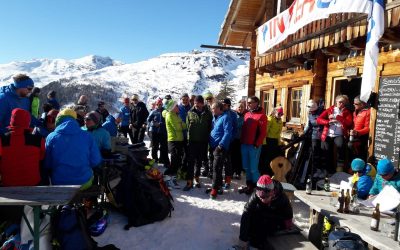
point(290, 241)
point(35, 197)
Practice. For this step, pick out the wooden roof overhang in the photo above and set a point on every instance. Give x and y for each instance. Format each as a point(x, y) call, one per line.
point(337, 35)
point(243, 18)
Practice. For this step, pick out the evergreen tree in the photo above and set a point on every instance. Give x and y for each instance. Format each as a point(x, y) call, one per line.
point(226, 91)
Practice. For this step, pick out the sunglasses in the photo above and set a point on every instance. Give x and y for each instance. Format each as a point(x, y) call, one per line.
point(29, 88)
point(263, 193)
point(87, 119)
point(357, 104)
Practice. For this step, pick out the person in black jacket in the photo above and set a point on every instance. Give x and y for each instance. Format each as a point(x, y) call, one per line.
point(139, 114)
point(267, 211)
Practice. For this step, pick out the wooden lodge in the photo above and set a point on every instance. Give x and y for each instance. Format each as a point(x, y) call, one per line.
point(320, 61)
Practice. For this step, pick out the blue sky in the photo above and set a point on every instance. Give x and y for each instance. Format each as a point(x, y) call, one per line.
point(125, 30)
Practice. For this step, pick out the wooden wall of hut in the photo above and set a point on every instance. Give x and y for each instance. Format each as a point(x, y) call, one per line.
point(388, 65)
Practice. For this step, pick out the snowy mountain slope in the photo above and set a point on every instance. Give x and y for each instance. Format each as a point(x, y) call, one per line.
point(102, 78)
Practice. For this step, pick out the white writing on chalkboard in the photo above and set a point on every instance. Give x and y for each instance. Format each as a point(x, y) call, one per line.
point(387, 127)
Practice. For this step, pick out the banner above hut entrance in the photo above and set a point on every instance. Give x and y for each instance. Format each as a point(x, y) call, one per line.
point(301, 13)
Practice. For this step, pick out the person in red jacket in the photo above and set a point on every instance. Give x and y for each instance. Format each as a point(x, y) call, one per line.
point(254, 131)
point(337, 121)
point(22, 152)
point(358, 142)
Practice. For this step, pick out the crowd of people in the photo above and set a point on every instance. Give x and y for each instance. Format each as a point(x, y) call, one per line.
point(196, 136)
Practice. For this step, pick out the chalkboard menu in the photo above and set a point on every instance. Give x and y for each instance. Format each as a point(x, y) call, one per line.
point(387, 128)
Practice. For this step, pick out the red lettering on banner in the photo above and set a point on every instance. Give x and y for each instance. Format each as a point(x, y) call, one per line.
point(281, 24)
point(300, 5)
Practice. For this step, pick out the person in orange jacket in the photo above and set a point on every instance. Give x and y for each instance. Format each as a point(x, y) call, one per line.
point(358, 142)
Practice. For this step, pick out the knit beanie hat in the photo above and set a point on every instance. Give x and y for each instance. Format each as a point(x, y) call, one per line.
point(227, 101)
point(385, 167)
point(51, 94)
point(135, 97)
point(35, 90)
point(199, 98)
point(207, 94)
point(20, 118)
point(357, 165)
point(169, 105)
point(94, 116)
point(64, 114)
point(265, 183)
point(312, 106)
point(27, 83)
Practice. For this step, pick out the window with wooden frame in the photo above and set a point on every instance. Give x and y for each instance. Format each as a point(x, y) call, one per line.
point(266, 101)
point(295, 104)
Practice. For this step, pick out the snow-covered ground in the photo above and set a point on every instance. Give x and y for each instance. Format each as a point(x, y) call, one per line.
point(197, 222)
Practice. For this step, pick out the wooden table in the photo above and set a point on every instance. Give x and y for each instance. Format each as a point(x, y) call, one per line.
point(35, 197)
point(319, 203)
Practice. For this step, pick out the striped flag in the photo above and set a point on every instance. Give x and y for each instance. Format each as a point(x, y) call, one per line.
point(376, 27)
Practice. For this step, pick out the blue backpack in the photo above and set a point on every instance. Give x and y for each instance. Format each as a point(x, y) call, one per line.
point(70, 230)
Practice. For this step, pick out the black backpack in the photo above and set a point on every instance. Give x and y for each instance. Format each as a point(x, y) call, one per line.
point(142, 200)
point(343, 239)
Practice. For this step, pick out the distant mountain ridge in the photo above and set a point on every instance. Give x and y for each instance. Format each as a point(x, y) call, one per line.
point(102, 78)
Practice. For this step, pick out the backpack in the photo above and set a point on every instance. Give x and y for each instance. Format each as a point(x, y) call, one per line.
point(343, 239)
point(142, 200)
point(70, 231)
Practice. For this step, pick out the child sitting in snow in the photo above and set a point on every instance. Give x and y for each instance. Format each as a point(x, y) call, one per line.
point(267, 211)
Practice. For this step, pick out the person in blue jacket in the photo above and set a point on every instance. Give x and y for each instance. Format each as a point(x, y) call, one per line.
point(220, 140)
point(71, 153)
point(362, 177)
point(111, 125)
point(159, 134)
point(51, 99)
point(100, 135)
point(184, 108)
point(14, 96)
point(228, 157)
point(125, 114)
point(387, 175)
